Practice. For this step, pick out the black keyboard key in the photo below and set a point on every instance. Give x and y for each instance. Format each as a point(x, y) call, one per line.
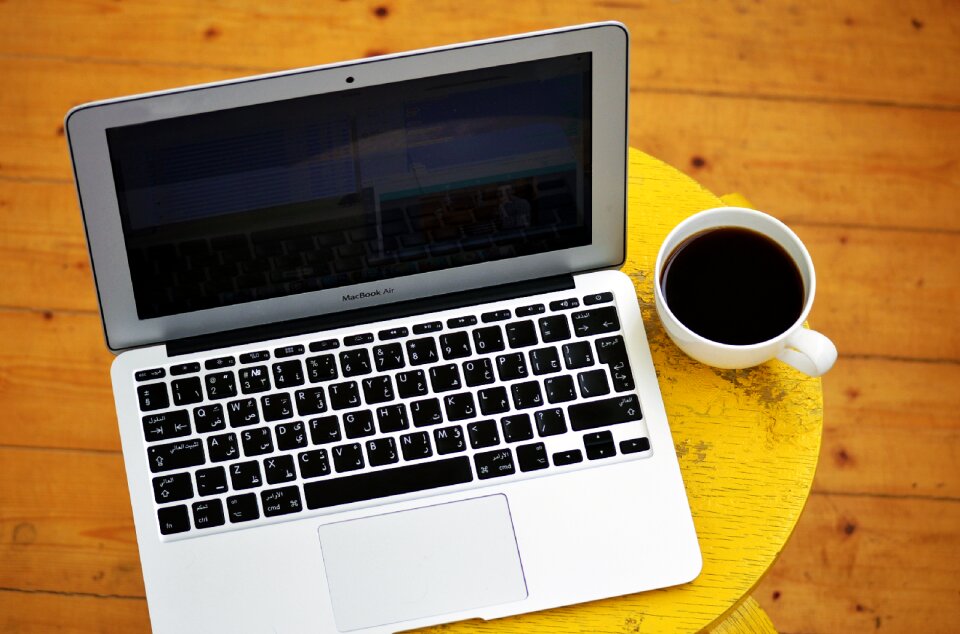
point(166, 426)
point(478, 372)
point(565, 304)
point(422, 329)
point(223, 447)
point(461, 322)
point(326, 344)
point(245, 475)
point(377, 389)
point(511, 366)
point(596, 321)
point(208, 513)
point(532, 457)
point(562, 458)
point(324, 430)
point(322, 368)
point(521, 334)
point(578, 355)
point(220, 363)
point(613, 352)
point(355, 362)
point(422, 351)
point(347, 457)
point(220, 385)
point(173, 519)
point(151, 374)
point(208, 418)
point(153, 396)
point(560, 389)
point(242, 508)
point(175, 455)
point(516, 428)
point(313, 464)
point(449, 439)
point(493, 400)
point(416, 446)
point(412, 383)
point(288, 373)
point(382, 451)
point(426, 412)
point(387, 482)
point(279, 469)
point(494, 464)
point(392, 333)
point(593, 383)
point(291, 436)
point(257, 442)
point(310, 401)
point(634, 445)
point(527, 311)
point(526, 395)
point(444, 378)
point(254, 379)
point(392, 418)
point(184, 368)
point(611, 411)
point(282, 501)
point(550, 422)
point(358, 424)
point(483, 434)
point(459, 406)
point(554, 328)
point(276, 406)
point(545, 361)
point(488, 339)
point(253, 357)
point(288, 351)
point(358, 340)
point(599, 445)
point(344, 395)
point(211, 481)
point(172, 488)
point(455, 345)
point(496, 315)
point(388, 357)
point(598, 298)
point(243, 412)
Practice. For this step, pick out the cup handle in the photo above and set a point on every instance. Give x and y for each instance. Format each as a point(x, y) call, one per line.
point(809, 351)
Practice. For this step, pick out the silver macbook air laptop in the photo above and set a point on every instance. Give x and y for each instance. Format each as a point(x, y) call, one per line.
point(377, 369)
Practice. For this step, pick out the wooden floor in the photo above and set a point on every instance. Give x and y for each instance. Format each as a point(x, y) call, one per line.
point(842, 118)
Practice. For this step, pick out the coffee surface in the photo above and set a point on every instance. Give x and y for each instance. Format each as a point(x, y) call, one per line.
point(733, 285)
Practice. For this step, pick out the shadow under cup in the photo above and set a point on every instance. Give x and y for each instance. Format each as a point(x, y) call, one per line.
point(742, 284)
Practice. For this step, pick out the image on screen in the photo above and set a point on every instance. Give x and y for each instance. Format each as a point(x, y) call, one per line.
point(372, 183)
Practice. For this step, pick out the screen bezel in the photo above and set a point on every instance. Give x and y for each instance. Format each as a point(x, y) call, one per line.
point(86, 128)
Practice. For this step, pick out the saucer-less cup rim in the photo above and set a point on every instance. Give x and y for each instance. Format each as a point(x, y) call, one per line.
point(808, 351)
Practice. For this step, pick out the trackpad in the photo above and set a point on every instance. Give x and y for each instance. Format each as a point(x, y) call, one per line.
point(423, 562)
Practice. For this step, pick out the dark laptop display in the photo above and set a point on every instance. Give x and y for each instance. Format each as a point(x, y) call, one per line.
point(365, 184)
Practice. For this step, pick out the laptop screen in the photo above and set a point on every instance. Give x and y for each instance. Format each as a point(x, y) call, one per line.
point(365, 184)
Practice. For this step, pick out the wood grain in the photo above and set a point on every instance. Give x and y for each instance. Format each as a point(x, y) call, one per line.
point(725, 46)
point(41, 613)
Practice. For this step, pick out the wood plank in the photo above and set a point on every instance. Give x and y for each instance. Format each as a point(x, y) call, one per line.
point(891, 428)
point(41, 613)
point(67, 526)
point(814, 48)
point(848, 163)
point(859, 564)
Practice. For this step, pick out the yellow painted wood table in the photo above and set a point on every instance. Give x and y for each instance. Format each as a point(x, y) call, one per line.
point(748, 442)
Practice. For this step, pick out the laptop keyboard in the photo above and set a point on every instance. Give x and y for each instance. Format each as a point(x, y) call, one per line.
point(276, 433)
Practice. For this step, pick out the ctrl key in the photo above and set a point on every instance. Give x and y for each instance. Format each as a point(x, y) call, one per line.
point(208, 513)
point(173, 519)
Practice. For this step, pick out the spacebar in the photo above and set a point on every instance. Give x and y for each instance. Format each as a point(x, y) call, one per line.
point(386, 482)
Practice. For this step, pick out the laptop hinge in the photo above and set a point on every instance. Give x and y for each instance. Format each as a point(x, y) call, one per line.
point(370, 314)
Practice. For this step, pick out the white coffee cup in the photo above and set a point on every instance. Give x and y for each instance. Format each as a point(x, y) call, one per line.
point(806, 350)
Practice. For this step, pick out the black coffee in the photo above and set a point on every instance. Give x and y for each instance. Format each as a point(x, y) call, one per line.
point(733, 285)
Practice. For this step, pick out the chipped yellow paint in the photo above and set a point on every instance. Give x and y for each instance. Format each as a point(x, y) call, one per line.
point(748, 442)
